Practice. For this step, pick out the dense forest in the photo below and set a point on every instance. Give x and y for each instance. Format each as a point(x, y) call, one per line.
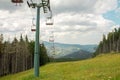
point(18, 55)
point(110, 43)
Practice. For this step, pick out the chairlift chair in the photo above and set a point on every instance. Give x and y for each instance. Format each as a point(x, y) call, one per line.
point(49, 21)
point(33, 25)
point(33, 29)
point(17, 1)
point(51, 40)
point(53, 48)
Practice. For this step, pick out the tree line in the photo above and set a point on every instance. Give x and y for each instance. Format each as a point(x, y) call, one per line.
point(110, 43)
point(18, 55)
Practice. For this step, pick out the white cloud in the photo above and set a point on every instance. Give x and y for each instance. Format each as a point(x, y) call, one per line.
point(103, 6)
point(81, 28)
point(83, 6)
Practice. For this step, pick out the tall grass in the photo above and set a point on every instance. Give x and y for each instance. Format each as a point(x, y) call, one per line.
point(103, 67)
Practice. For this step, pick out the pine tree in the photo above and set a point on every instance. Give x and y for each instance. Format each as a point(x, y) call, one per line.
point(1, 43)
point(109, 44)
point(43, 55)
point(26, 39)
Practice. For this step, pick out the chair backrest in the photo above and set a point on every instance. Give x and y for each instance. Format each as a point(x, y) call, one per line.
point(49, 21)
point(50, 40)
point(33, 30)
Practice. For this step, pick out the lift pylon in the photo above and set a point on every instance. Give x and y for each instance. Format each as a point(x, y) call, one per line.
point(45, 4)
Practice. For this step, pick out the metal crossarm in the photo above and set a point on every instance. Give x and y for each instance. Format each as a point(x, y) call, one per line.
point(46, 5)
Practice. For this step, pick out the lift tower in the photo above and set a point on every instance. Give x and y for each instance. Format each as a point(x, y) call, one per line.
point(45, 4)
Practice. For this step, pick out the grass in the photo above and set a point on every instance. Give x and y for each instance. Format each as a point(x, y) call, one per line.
point(103, 67)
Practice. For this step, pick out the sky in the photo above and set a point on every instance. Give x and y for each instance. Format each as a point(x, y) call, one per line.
point(75, 21)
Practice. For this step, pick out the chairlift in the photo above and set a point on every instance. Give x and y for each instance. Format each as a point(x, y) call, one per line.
point(33, 28)
point(33, 25)
point(51, 40)
point(53, 50)
point(17, 1)
point(49, 21)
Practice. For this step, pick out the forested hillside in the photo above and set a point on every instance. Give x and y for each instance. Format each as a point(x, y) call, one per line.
point(18, 55)
point(110, 43)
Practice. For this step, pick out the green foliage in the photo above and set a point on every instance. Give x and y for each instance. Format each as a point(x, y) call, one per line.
point(31, 47)
point(102, 67)
point(18, 55)
point(1, 43)
point(26, 39)
point(111, 43)
point(21, 38)
point(43, 55)
point(43, 52)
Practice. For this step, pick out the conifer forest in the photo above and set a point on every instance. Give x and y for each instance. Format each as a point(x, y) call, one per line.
point(17, 56)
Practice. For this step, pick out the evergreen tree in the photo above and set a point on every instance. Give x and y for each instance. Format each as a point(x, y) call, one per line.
point(21, 38)
point(18, 56)
point(1, 43)
point(109, 44)
point(26, 39)
point(43, 55)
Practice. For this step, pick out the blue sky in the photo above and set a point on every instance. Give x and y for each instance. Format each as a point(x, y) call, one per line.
point(114, 15)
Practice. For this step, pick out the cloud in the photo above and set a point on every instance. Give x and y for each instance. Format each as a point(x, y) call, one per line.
point(103, 6)
point(75, 21)
point(81, 22)
point(83, 6)
point(81, 27)
point(9, 6)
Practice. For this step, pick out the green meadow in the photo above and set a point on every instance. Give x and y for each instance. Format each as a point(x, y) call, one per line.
point(102, 67)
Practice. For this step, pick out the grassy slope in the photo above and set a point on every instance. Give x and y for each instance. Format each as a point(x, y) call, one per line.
point(103, 67)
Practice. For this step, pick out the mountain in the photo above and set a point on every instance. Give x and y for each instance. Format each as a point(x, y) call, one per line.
point(79, 55)
point(65, 50)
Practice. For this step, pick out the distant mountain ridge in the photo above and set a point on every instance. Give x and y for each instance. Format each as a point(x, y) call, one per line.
point(70, 50)
point(79, 55)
